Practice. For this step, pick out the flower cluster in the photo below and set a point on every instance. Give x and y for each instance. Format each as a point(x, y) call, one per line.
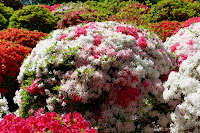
point(22, 36)
point(184, 43)
point(131, 14)
point(84, 15)
point(49, 122)
point(183, 87)
point(51, 8)
point(3, 107)
point(165, 28)
point(109, 72)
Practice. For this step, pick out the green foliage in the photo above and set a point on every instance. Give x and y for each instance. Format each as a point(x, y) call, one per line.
point(108, 7)
point(3, 22)
point(173, 10)
point(34, 17)
point(15, 4)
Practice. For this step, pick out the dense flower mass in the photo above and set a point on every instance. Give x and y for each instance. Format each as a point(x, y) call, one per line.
point(165, 28)
point(183, 86)
point(49, 122)
point(3, 107)
point(22, 36)
point(51, 8)
point(109, 72)
point(184, 43)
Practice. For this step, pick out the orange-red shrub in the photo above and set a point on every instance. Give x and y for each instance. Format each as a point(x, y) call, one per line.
point(22, 36)
point(165, 28)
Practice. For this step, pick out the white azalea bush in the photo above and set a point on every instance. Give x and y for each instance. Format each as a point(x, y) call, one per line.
point(184, 43)
point(109, 72)
point(3, 107)
point(184, 86)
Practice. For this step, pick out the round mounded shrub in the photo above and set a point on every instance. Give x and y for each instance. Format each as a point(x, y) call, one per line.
point(11, 58)
point(109, 72)
point(22, 36)
point(184, 43)
point(131, 14)
point(173, 10)
point(34, 17)
point(165, 28)
point(183, 86)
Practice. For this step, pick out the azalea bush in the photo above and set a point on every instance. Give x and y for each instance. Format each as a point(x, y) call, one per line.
point(11, 58)
point(184, 43)
point(22, 36)
point(48, 122)
point(84, 15)
point(165, 28)
point(51, 8)
point(183, 86)
point(131, 14)
point(109, 72)
point(34, 17)
point(173, 10)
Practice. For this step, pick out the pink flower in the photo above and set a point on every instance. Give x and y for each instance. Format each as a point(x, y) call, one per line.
point(173, 48)
point(97, 40)
point(142, 42)
point(184, 57)
point(145, 84)
point(62, 36)
point(190, 42)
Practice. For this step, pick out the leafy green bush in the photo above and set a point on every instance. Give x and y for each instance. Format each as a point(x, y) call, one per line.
point(15, 4)
point(108, 7)
point(173, 10)
point(2, 22)
point(34, 17)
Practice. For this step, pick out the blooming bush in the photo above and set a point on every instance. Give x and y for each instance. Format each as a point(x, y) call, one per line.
point(34, 17)
point(184, 86)
point(3, 107)
point(22, 36)
point(67, 7)
point(49, 122)
point(131, 14)
point(109, 72)
point(11, 57)
point(184, 43)
point(165, 28)
point(84, 15)
point(51, 8)
point(173, 10)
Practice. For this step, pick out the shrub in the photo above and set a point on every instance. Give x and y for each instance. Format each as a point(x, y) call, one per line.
point(15, 4)
point(173, 10)
point(3, 22)
point(34, 17)
point(83, 15)
point(184, 43)
point(51, 8)
point(22, 36)
point(49, 122)
point(11, 57)
point(165, 28)
point(109, 72)
point(183, 86)
point(5, 14)
point(131, 14)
